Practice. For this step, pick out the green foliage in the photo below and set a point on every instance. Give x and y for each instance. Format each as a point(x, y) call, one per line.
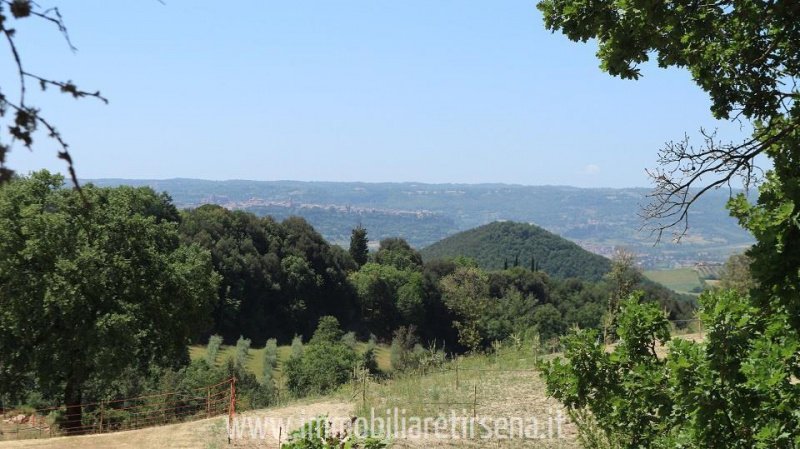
point(212, 349)
point(242, 351)
point(297, 347)
point(402, 352)
point(369, 360)
point(388, 297)
point(271, 355)
point(359, 250)
point(466, 293)
point(615, 212)
point(735, 275)
point(90, 292)
point(316, 434)
point(740, 52)
point(279, 277)
point(328, 331)
point(494, 244)
point(738, 389)
point(548, 321)
point(396, 252)
point(625, 390)
point(325, 364)
point(734, 390)
point(407, 354)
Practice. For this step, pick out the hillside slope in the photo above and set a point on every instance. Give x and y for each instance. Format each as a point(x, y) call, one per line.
point(498, 243)
point(425, 213)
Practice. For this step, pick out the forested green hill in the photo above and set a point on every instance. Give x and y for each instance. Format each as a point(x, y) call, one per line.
point(600, 219)
point(501, 244)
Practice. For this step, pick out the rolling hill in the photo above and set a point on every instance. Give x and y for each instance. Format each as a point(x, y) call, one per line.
point(495, 244)
point(599, 219)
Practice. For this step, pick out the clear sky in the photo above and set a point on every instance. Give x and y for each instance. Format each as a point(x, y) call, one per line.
point(367, 90)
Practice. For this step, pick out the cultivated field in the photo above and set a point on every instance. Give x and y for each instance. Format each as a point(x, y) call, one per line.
point(681, 280)
point(255, 359)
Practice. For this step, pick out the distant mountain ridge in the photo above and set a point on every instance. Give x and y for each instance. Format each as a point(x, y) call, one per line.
point(598, 219)
point(501, 244)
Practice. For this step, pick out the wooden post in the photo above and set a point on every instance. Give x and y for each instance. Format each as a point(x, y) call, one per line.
point(365, 373)
point(457, 383)
point(231, 408)
point(475, 402)
point(102, 408)
point(208, 402)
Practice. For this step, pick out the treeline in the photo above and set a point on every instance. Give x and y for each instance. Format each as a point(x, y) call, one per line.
point(279, 279)
point(103, 289)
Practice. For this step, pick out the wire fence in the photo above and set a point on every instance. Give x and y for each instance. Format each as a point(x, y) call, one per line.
point(121, 414)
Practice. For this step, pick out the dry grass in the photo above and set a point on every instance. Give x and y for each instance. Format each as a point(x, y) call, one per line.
point(517, 390)
point(503, 385)
point(205, 434)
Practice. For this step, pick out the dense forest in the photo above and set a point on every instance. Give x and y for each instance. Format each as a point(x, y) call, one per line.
point(502, 244)
point(424, 213)
point(120, 282)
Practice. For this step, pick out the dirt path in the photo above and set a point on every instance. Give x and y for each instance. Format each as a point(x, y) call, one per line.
point(205, 434)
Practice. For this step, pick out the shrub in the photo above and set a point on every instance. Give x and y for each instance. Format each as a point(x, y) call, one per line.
point(328, 330)
point(349, 339)
point(368, 357)
point(242, 351)
point(270, 357)
point(404, 344)
point(726, 392)
point(325, 363)
point(297, 347)
point(212, 349)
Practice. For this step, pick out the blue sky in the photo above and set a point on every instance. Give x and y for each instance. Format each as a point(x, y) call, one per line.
point(430, 91)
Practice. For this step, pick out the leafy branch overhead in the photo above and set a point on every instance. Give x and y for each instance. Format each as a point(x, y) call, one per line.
point(25, 119)
point(745, 54)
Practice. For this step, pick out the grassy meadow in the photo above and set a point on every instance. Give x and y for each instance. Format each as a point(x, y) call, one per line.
point(681, 280)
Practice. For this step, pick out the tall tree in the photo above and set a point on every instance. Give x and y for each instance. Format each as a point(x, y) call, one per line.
point(746, 55)
point(87, 293)
point(466, 294)
point(399, 254)
point(359, 250)
point(735, 274)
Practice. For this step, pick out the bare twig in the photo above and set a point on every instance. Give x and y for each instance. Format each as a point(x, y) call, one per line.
point(26, 118)
point(686, 173)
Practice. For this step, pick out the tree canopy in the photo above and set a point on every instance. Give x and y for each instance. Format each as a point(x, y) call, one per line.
point(87, 293)
point(739, 388)
point(744, 53)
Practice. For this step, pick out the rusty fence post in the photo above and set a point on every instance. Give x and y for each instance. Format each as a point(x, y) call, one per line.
point(208, 402)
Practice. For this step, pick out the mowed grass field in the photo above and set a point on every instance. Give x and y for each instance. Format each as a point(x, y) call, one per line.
point(681, 280)
point(255, 360)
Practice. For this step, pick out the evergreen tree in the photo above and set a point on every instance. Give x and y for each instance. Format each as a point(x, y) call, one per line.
point(358, 245)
